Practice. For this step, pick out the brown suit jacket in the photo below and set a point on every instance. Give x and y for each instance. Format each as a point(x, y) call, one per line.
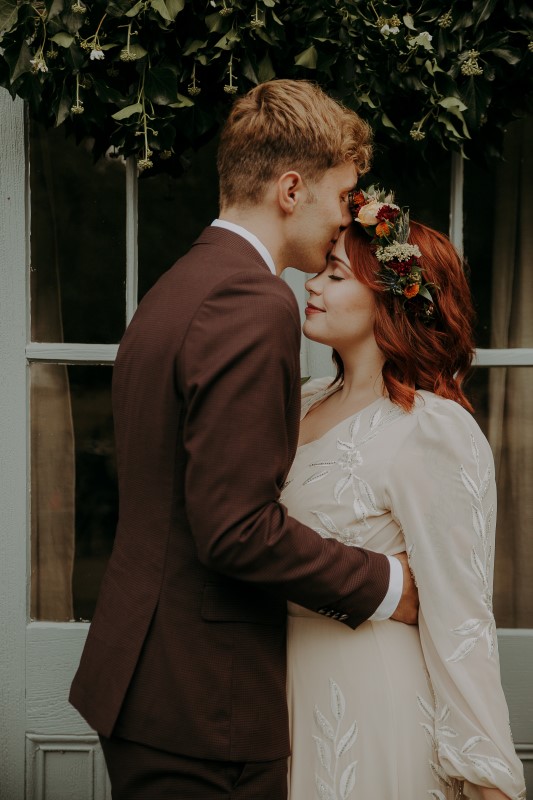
point(186, 651)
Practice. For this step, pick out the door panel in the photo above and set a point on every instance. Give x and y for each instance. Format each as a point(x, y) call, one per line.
point(64, 758)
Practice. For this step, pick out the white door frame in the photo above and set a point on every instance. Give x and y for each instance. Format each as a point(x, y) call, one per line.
point(14, 591)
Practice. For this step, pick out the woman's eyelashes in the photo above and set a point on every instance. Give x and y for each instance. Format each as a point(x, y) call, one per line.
point(335, 277)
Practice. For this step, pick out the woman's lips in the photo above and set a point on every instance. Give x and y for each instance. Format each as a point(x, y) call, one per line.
point(311, 309)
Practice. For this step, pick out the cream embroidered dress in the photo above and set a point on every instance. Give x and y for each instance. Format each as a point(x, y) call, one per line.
point(390, 711)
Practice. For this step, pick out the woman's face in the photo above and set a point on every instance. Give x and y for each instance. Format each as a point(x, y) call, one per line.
point(340, 309)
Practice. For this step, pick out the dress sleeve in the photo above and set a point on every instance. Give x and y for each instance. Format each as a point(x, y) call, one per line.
point(313, 387)
point(442, 492)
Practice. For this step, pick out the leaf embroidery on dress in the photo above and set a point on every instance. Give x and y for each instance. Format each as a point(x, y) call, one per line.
point(473, 630)
point(333, 747)
point(328, 530)
point(442, 735)
point(348, 462)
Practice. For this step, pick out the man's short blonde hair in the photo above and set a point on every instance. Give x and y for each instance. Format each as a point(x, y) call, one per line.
point(286, 125)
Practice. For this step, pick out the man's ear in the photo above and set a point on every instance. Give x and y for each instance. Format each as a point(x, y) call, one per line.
point(290, 188)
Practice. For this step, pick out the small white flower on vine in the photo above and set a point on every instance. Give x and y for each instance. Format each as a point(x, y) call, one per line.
point(97, 54)
point(387, 29)
point(423, 40)
point(38, 64)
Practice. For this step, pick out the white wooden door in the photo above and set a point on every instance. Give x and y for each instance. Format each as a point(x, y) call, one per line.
point(46, 750)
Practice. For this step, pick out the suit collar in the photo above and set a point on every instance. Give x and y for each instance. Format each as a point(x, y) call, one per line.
point(222, 237)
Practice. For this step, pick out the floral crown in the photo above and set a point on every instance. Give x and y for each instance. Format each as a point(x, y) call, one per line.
point(401, 271)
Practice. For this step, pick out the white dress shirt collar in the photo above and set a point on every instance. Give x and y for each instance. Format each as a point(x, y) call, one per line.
point(250, 237)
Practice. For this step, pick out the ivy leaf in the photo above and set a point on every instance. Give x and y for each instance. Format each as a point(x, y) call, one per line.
point(265, 70)
point(228, 40)
point(8, 14)
point(307, 58)
point(214, 22)
point(475, 94)
point(161, 8)
point(22, 63)
point(107, 94)
point(135, 10)
point(69, 22)
point(124, 113)
point(452, 102)
point(386, 122)
point(449, 125)
point(174, 7)
point(160, 86)
point(182, 102)
point(116, 8)
point(63, 39)
point(193, 47)
point(483, 10)
point(63, 107)
point(248, 71)
point(511, 55)
point(55, 9)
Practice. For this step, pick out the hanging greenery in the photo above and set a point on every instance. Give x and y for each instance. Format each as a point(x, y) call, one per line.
point(155, 78)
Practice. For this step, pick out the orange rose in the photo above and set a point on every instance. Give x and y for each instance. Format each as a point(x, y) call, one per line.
point(382, 229)
point(412, 290)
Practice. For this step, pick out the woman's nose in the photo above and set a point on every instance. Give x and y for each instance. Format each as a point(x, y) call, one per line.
point(313, 284)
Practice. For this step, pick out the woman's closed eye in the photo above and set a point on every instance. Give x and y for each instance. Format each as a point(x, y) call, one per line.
point(335, 277)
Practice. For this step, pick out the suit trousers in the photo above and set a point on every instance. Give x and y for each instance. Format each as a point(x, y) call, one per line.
point(138, 772)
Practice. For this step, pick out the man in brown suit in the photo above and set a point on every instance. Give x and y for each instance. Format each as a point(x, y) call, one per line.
point(183, 672)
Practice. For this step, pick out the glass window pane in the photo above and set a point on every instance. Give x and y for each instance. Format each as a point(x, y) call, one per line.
point(498, 241)
point(173, 212)
point(78, 241)
point(74, 488)
point(502, 399)
point(424, 188)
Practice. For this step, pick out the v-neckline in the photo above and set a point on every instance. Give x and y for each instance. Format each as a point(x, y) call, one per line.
point(341, 422)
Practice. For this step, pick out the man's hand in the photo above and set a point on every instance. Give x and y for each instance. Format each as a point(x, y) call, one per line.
point(407, 608)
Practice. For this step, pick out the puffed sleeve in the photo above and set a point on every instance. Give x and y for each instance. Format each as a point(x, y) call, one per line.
point(313, 389)
point(442, 492)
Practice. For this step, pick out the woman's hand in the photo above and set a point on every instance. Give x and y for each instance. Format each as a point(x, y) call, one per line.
point(493, 794)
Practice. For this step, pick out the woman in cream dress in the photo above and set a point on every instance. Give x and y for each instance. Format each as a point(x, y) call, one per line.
point(390, 711)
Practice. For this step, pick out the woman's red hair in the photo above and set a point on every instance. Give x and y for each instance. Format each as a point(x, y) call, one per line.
point(433, 355)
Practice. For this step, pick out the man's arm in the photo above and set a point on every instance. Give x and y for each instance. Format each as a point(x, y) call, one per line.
point(239, 374)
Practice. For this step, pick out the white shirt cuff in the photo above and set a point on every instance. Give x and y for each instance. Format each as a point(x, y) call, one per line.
point(394, 593)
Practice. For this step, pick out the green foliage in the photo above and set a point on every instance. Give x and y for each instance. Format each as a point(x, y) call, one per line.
point(155, 78)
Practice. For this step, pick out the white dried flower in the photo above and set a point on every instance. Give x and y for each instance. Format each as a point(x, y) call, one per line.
point(401, 252)
point(97, 54)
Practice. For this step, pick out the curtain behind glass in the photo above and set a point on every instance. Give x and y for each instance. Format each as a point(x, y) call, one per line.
point(510, 390)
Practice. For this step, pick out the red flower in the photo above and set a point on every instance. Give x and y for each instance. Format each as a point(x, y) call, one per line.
point(400, 267)
point(388, 212)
